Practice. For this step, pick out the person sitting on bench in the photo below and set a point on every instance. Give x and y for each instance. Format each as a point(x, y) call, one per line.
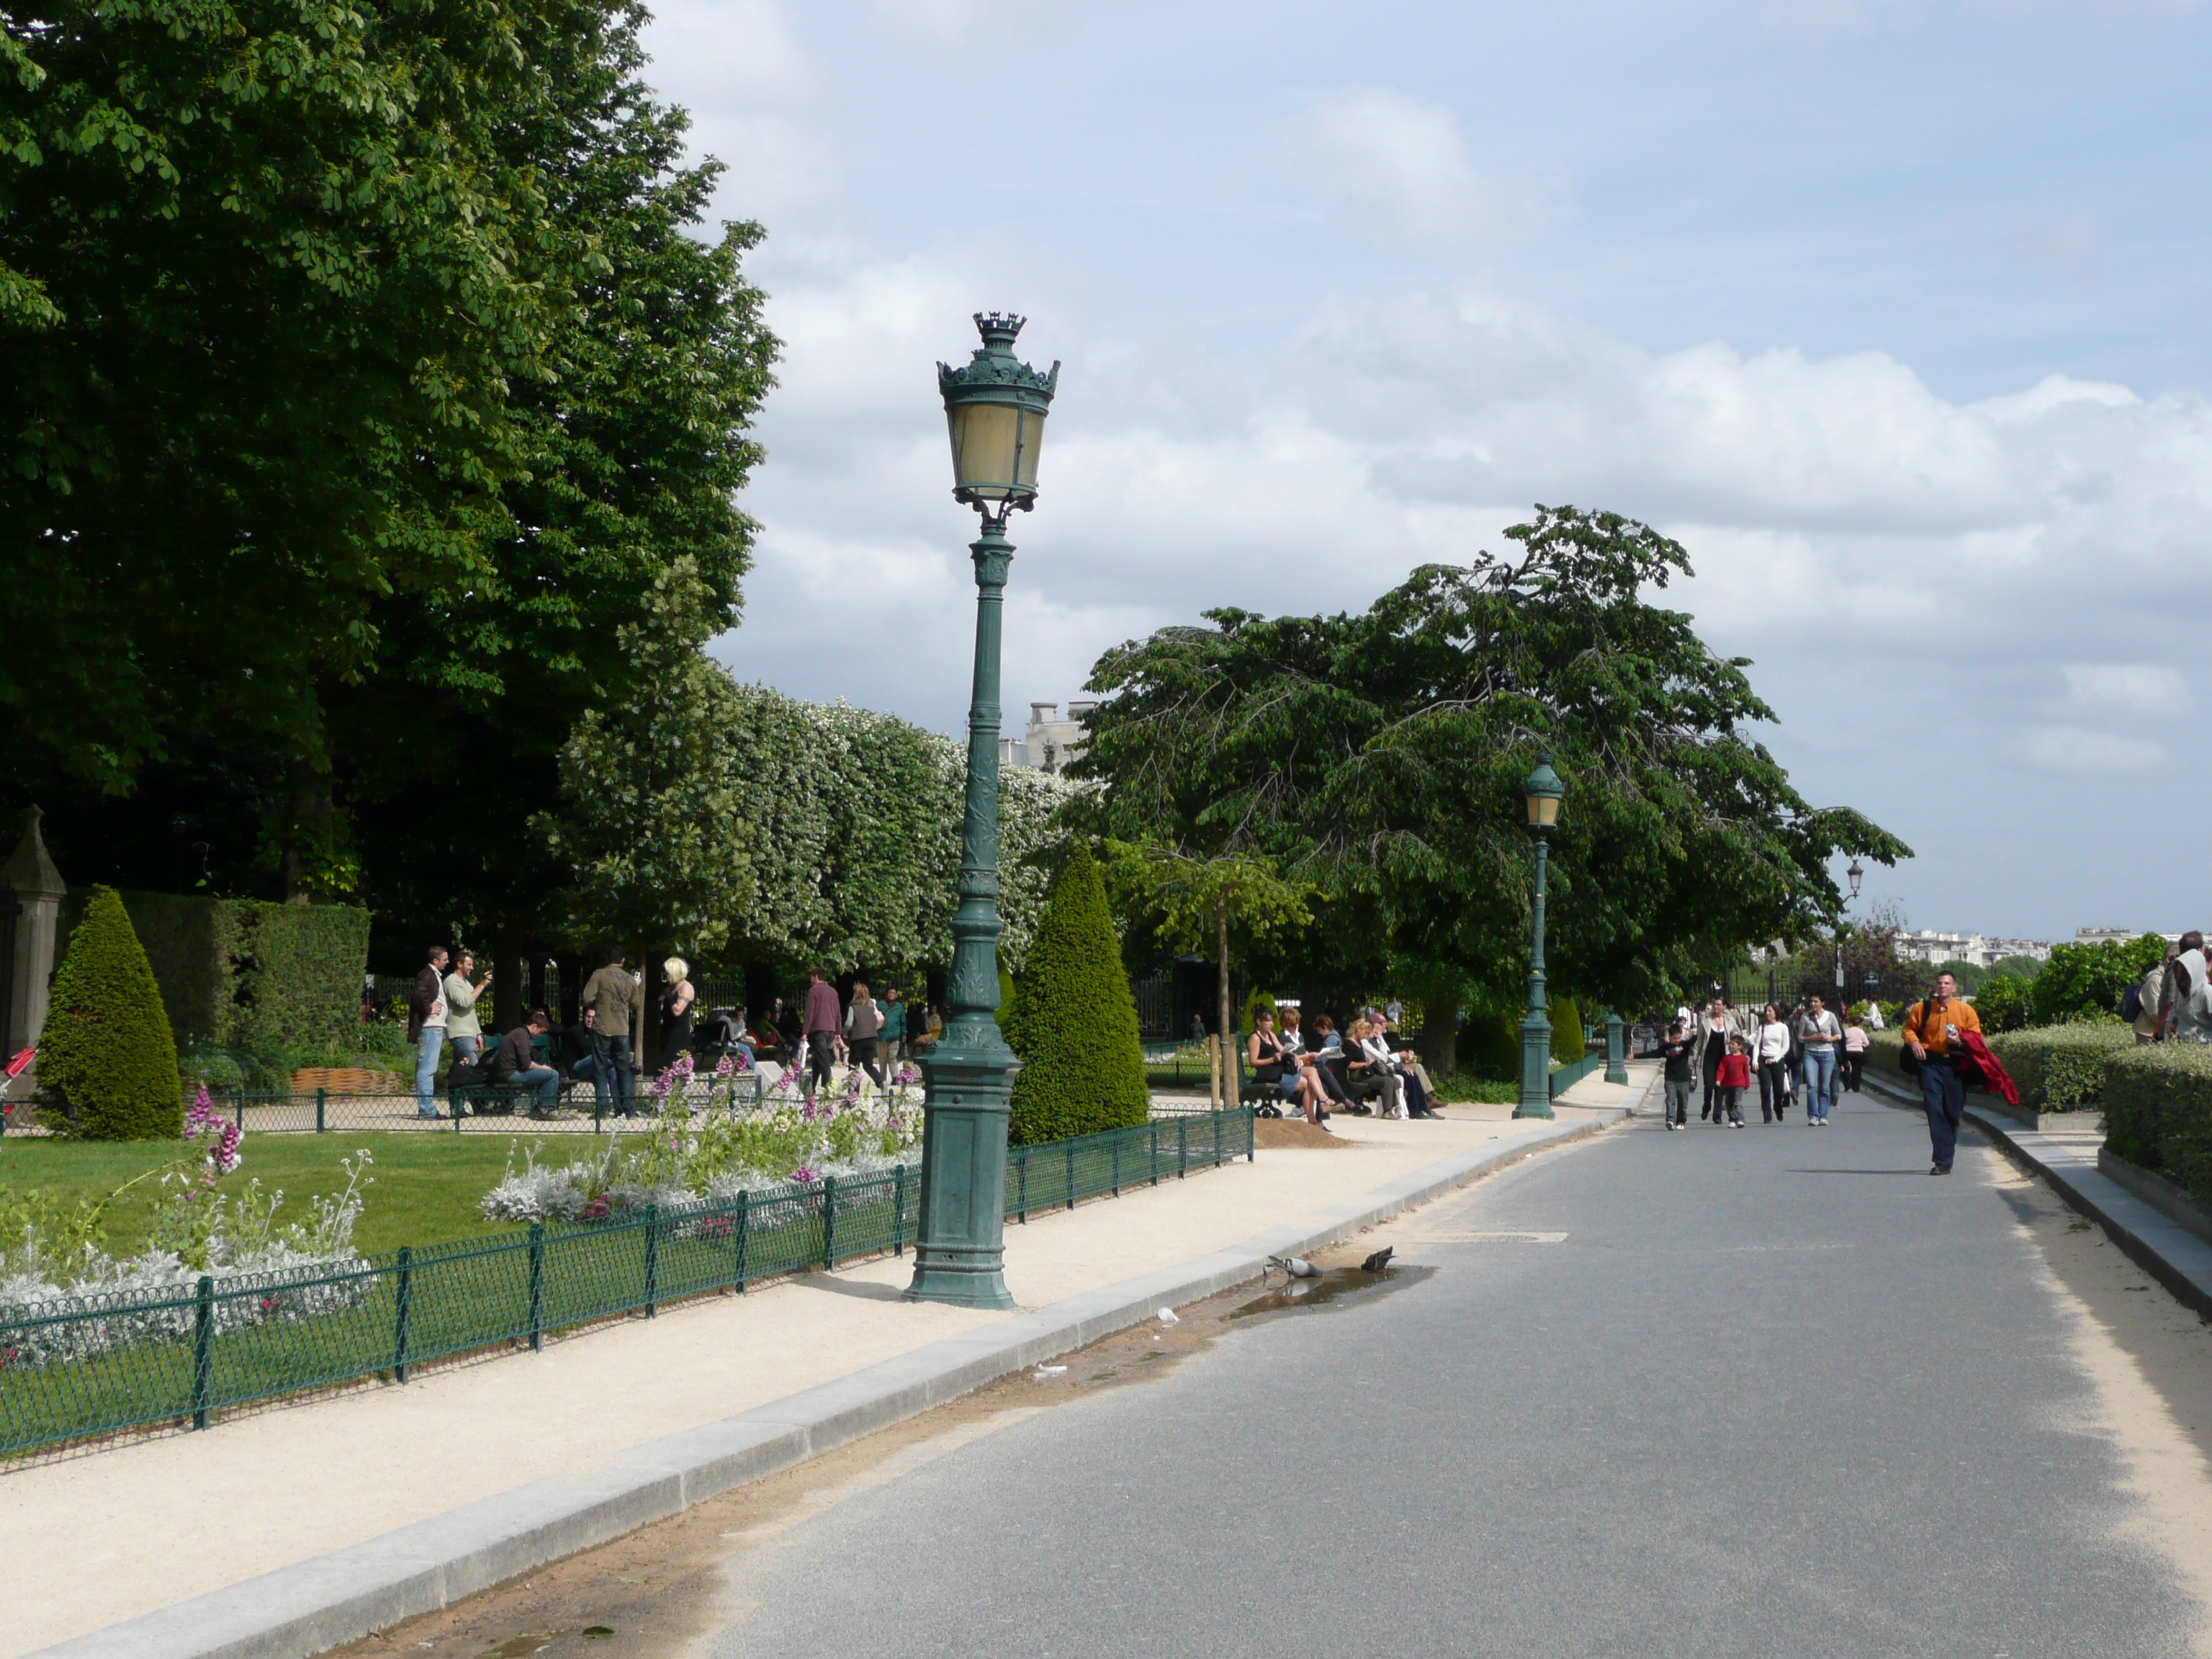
point(1371, 1077)
point(1271, 1068)
point(515, 1065)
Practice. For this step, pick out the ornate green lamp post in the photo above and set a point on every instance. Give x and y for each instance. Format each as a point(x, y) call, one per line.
point(1543, 790)
point(995, 406)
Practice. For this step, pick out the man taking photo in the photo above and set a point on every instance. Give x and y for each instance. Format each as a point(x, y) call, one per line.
point(1931, 1029)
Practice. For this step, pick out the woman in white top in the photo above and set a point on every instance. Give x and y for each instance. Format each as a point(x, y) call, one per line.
point(1367, 1071)
point(1771, 1056)
point(1375, 1048)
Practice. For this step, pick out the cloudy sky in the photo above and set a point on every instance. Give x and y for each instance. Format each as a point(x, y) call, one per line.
point(1896, 313)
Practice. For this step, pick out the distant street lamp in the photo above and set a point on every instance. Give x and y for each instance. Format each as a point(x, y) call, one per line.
point(1856, 875)
point(1543, 790)
point(994, 409)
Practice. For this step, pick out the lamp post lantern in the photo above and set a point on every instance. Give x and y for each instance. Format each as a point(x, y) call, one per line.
point(1543, 790)
point(1856, 875)
point(994, 409)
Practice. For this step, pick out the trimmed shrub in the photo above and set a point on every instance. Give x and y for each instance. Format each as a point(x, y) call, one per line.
point(106, 1052)
point(1073, 1022)
point(2060, 1068)
point(2158, 1111)
point(2005, 1004)
point(1490, 1046)
point(1568, 1042)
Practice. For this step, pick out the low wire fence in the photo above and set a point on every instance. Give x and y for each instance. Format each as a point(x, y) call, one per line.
point(89, 1366)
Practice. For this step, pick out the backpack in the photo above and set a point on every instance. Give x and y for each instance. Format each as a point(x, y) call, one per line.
point(2131, 1005)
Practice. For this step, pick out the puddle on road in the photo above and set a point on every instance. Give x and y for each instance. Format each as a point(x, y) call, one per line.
point(1336, 1285)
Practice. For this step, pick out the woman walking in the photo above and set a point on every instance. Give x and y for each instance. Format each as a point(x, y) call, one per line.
point(1773, 1058)
point(1713, 1030)
point(863, 1021)
point(1855, 1053)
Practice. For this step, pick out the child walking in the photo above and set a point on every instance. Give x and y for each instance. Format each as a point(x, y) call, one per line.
point(1681, 1052)
point(1733, 1078)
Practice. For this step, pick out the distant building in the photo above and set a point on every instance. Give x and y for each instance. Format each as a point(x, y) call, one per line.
point(2117, 935)
point(1047, 742)
point(1975, 950)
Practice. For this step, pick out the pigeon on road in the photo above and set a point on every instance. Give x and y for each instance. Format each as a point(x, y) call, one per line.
point(1296, 1265)
point(1379, 1260)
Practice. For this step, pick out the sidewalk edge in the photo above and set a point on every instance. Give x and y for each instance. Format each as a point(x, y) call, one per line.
point(2161, 1246)
point(314, 1605)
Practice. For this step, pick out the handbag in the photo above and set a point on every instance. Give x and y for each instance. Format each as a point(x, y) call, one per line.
point(1907, 1061)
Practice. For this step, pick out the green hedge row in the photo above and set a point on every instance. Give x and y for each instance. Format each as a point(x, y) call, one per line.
point(2158, 1112)
point(2061, 1068)
point(2057, 1068)
point(247, 973)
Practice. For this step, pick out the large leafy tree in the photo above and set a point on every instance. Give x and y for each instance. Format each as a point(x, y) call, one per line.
point(742, 825)
point(1380, 756)
point(358, 378)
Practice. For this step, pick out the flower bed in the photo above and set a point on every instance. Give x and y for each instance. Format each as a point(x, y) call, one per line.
point(719, 1147)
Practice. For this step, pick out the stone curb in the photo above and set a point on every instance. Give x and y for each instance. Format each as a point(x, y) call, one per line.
point(2161, 1246)
point(315, 1605)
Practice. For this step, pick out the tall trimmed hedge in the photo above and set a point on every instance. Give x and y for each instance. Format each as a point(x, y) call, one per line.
point(1568, 1045)
point(2158, 1111)
point(2058, 1069)
point(246, 973)
point(106, 1052)
point(1073, 1022)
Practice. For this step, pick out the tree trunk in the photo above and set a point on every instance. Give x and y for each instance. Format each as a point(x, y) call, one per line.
point(308, 812)
point(1229, 1069)
point(1440, 1036)
point(508, 990)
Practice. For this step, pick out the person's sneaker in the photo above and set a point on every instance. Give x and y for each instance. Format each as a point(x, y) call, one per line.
point(1934, 1168)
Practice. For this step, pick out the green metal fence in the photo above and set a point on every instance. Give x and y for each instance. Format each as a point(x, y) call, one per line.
point(1575, 1071)
point(470, 1111)
point(93, 1365)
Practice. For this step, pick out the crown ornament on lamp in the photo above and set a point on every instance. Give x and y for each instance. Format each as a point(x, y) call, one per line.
point(994, 410)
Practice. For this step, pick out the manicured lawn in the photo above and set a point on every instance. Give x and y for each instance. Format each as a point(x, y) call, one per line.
point(426, 1189)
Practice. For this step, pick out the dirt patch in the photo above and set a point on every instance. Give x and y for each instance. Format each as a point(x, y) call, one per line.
point(1274, 1133)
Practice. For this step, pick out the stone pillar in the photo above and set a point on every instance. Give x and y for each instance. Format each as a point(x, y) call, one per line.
point(38, 888)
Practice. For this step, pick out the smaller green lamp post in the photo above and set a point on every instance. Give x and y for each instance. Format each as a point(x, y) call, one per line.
point(1616, 1048)
point(994, 407)
point(1543, 790)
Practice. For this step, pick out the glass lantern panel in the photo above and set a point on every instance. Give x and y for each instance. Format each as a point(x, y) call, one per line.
point(1544, 810)
point(984, 441)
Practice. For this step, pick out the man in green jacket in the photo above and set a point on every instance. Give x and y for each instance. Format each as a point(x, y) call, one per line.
point(893, 1036)
point(611, 995)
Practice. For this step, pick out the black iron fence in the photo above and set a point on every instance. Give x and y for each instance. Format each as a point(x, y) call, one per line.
point(87, 1366)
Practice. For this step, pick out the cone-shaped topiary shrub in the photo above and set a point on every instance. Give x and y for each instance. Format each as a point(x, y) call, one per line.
point(1072, 1022)
point(1568, 1043)
point(107, 1051)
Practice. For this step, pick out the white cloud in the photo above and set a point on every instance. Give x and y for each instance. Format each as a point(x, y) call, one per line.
point(759, 101)
point(950, 25)
point(2077, 749)
point(2133, 687)
point(1399, 165)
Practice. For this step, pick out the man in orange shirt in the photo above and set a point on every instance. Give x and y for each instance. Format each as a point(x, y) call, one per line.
point(1931, 1029)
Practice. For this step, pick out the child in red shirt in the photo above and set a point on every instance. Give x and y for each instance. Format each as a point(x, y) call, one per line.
point(1732, 1078)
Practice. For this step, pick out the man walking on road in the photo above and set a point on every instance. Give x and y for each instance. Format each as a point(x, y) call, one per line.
point(821, 1031)
point(1931, 1028)
point(611, 995)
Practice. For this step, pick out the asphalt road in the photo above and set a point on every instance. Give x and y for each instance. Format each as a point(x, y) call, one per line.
point(1777, 1391)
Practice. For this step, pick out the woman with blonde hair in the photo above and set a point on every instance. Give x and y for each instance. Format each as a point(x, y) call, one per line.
point(678, 1003)
point(1370, 1075)
point(863, 1020)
